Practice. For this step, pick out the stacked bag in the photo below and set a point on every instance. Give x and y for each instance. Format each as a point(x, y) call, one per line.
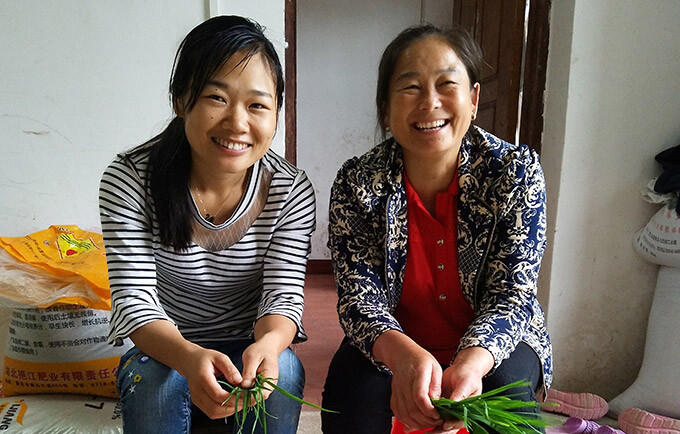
point(55, 303)
point(652, 403)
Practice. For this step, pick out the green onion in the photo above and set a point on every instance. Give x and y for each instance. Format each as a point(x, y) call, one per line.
point(489, 410)
point(259, 409)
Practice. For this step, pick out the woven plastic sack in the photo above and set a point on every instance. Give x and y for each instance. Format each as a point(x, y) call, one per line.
point(62, 264)
point(659, 240)
point(61, 414)
point(61, 349)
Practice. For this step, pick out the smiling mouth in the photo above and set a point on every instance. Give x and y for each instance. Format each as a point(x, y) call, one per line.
point(431, 126)
point(233, 146)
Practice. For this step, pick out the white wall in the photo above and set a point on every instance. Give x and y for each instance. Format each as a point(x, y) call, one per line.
point(338, 49)
point(611, 105)
point(82, 80)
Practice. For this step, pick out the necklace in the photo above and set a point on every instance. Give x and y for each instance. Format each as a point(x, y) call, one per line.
point(209, 217)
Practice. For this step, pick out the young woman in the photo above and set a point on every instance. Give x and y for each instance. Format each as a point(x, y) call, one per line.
point(207, 235)
point(436, 237)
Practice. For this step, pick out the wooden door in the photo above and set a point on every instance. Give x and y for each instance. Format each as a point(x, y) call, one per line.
point(499, 28)
point(290, 86)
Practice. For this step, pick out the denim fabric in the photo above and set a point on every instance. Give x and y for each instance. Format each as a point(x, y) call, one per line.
point(361, 392)
point(155, 398)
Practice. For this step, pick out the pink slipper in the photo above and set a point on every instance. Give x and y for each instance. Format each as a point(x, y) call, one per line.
point(636, 421)
point(583, 405)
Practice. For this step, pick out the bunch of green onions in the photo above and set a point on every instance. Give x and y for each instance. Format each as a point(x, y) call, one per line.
point(259, 410)
point(493, 411)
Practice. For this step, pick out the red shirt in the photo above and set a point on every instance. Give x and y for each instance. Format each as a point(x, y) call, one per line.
point(432, 310)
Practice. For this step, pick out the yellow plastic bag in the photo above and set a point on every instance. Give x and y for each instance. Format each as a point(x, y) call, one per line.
point(67, 265)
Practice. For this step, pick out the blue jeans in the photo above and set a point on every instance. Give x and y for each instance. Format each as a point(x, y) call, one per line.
point(361, 393)
point(155, 398)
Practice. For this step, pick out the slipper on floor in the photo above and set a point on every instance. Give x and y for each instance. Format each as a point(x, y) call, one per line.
point(637, 421)
point(582, 405)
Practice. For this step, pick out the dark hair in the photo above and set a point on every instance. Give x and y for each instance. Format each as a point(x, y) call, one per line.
point(460, 40)
point(199, 57)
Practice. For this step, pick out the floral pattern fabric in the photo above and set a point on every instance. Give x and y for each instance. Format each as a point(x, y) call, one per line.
point(501, 241)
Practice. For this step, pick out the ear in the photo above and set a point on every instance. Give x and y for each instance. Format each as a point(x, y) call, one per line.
point(474, 97)
point(386, 118)
point(178, 107)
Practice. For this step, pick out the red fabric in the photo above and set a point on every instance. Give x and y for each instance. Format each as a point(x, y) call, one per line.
point(432, 310)
point(398, 428)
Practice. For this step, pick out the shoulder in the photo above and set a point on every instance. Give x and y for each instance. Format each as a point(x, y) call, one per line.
point(279, 166)
point(132, 163)
point(285, 174)
point(374, 170)
point(492, 157)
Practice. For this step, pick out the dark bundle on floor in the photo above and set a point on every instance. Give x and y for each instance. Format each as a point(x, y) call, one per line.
point(669, 180)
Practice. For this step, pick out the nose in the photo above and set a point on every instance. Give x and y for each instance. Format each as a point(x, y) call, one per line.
point(429, 99)
point(235, 119)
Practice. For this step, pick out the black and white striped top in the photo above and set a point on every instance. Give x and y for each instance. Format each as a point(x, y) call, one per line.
point(231, 275)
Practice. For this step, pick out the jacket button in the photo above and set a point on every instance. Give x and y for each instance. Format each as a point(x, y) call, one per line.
point(440, 267)
point(442, 297)
point(440, 242)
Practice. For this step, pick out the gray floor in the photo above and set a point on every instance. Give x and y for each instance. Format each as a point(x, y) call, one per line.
point(310, 422)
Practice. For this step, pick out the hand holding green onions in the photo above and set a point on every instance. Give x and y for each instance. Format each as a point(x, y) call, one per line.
point(490, 410)
point(252, 400)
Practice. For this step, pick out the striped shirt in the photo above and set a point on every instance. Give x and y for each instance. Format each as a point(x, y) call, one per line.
point(231, 274)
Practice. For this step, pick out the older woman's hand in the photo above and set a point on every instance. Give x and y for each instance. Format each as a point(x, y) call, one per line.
point(416, 376)
point(463, 378)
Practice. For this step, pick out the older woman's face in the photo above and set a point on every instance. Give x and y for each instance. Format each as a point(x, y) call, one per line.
point(431, 101)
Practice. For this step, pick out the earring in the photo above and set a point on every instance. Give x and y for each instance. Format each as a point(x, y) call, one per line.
point(474, 115)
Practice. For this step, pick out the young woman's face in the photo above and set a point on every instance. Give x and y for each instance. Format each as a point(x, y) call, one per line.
point(430, 99)
point(233, 122)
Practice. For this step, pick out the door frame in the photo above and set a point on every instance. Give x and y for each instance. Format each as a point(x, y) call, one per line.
point(290, 95)
point(535, 65)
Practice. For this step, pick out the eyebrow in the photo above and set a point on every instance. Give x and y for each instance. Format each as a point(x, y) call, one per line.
point(222, 85)
point(411, 74)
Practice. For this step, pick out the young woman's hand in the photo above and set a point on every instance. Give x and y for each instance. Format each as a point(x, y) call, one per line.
point(416, 376)
point(201, 368)
point(259, 358)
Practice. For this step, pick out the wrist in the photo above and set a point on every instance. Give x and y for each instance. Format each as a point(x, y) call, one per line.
point(184, 356)
point(393, 346)
point(474, 359)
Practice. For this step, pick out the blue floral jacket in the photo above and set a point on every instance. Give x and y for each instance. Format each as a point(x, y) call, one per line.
point(501, 240)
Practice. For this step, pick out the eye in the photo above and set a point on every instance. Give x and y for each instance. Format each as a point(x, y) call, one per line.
point(258, 106)
point(410, 88)
point(217, 98)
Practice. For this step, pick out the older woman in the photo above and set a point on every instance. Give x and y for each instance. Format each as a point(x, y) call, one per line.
point(207, 234)
point(436, 236)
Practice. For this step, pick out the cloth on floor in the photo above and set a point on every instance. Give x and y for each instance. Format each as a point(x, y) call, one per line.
point(580, 405)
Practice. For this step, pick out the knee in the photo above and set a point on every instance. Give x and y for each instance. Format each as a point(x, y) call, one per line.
point(523, 364)
point(352, 380)
point(141, 377)
point(291, 373)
